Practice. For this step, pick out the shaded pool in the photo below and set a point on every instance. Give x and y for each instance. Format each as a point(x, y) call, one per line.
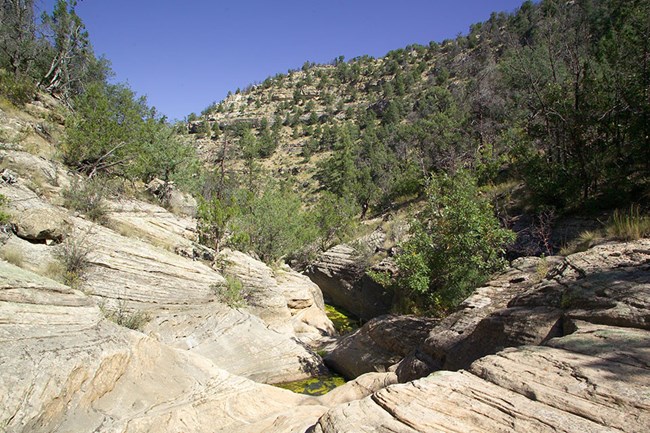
point(314, 386)
point(343, 321)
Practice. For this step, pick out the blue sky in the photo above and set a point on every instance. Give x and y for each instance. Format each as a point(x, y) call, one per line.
point(186, 54)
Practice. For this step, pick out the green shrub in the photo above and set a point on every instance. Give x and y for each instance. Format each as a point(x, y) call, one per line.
point(272, 224)
point(231, 292)
point(4, 217)
point(74, 256)
point(17, 90)
point(129, 319)
point(455, 244)
point(87, 197)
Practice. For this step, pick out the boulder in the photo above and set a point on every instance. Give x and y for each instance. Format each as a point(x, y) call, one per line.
point(340, 272)
point(378, 344)
point(446, 345)
point(238, 342)
point(42, 225)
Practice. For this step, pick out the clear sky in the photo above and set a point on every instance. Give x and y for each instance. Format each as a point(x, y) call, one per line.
point(185, 54)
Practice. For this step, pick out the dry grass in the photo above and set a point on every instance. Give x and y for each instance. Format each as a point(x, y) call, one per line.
point(628, 225)
point(12, 255)
point(585, 241)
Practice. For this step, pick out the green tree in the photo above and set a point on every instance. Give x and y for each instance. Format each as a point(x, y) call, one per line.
point(214, 217)
point(455, 244)
point(335, 219)
point(272, 224)
point(18, 45)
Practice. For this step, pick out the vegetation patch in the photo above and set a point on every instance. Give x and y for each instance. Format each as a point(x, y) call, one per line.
point(129, 319)
point(74, 255)
point(232, 292)
point(88, 198)
point(344, 322)
point(314, 386)
point(628, 225)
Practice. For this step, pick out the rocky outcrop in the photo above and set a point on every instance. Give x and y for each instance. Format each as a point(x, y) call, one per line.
point(284, 299)
point(340, 272)
point(594, 380)
point(65, 368)
point(131, 276)
point(378, 344)
point(455, 342)
point(607, 285)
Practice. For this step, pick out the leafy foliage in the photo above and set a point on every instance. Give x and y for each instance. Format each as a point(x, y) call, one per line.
point(87, 197)
point(272, 224)
point(231, 292)
point(456, 242)
point(114, 133)
point(4, 217)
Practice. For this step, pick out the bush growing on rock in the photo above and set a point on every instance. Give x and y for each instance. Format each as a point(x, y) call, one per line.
point(456, 243)
point(4, 217)
point(231, 292)
point(87, 197)
point(74, 256)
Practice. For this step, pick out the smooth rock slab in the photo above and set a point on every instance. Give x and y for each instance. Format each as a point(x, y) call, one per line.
point(526, 389)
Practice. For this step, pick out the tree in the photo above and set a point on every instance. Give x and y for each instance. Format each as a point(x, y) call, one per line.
point(272, 224)
point(114, 132)
point(455, 244)
point(17, 36)
point(334, 218)
point(214, 216)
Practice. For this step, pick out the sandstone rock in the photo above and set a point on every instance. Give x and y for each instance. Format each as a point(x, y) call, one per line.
point(42, 225)
point(129, 276)
point(340, 273)
point(447, 345)
point(358, 388)
point(608, 284)
point(237, 342)
point(153, 224)
point(284, 299)
point(66, 369)
point(378, 344)
point(530, 388)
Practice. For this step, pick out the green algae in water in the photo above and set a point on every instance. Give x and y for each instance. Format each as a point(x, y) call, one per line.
point(314, 386)
point(343, 321)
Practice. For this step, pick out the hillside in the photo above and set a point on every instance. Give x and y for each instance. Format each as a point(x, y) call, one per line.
point(540, 96)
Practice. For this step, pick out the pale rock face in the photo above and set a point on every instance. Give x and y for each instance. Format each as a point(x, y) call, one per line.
point(238, 342)
point(285, 300)
point(340, 273)
point(580, 387)
point(66, 369)
point(378, 344)
point(127, 274)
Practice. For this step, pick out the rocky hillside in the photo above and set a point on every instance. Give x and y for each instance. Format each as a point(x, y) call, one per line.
point(200, 363)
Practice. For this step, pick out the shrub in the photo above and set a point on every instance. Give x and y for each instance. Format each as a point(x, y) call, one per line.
point(455, 244)
point(231, 292)
point(12, 255)
point(87, 197)
point(129, 319)
point(272, 224)
point(17, 90)
point(585, 240)
point(74, 256)
point(4, 217)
